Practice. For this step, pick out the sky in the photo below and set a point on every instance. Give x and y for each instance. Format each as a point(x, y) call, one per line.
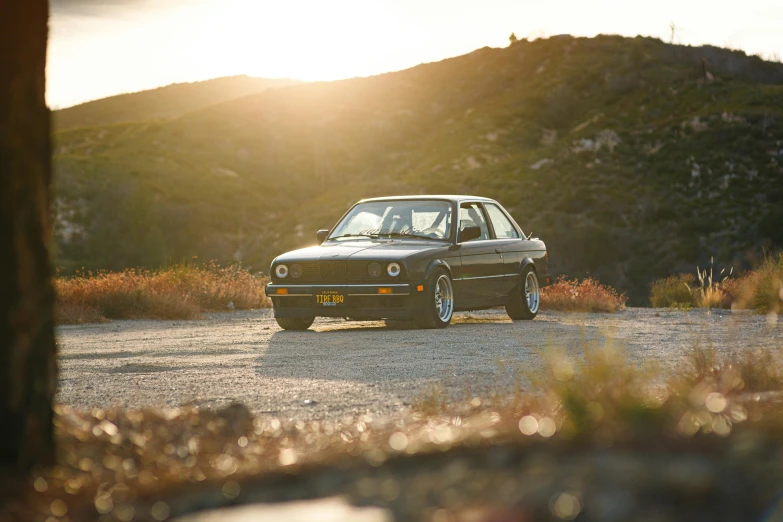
point(99, 48)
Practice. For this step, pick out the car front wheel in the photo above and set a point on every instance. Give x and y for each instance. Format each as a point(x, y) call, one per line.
point(295, 323)
point(524, 302)
point(438, 301)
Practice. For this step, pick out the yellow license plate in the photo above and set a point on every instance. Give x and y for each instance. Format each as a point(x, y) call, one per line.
point(330, 298)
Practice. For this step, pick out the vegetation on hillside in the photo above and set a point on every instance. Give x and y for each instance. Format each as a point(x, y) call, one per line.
point(759, 289)
point(163, 103)
point(620, 153)
point(178, 292)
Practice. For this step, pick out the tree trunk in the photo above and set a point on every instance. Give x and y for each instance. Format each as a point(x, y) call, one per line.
point(27, 347)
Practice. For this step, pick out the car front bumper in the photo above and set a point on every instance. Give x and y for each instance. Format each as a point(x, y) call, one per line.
point(361, 301)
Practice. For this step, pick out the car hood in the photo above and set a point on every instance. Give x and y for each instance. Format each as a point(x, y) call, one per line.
point(362, 250)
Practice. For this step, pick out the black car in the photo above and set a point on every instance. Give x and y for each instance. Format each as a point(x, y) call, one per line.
point(417, 258)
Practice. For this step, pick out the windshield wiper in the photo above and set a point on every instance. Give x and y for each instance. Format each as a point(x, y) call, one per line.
point(372, 236)
point(404, 234)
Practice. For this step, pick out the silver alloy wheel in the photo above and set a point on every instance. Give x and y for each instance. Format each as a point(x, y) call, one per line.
point(532, 293)
point(444, 298)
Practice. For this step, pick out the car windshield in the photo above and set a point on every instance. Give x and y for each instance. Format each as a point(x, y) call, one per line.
point(420, 219)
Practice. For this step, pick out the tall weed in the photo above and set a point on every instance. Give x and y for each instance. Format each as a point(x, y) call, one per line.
point(711, 293)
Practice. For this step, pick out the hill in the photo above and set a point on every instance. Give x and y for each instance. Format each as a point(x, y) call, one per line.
point(163, 103)
point(631, 158)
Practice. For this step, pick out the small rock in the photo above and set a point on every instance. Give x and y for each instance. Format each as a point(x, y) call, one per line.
point(537, 165)
point(309, 402)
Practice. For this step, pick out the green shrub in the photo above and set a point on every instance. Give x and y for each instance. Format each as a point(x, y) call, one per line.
point(674, 291)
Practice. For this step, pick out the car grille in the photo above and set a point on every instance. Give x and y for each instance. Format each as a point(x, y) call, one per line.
point(325, 272)
point(310, 272)
point(333, 270)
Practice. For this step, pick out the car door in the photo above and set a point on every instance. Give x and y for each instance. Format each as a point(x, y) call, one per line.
point(479, 279)
point(509, 242)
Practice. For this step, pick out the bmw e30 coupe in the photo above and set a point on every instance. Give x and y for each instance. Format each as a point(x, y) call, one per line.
point(417, 258)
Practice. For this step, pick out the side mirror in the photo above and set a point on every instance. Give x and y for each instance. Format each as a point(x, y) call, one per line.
point(469, 234)
point(321, 235)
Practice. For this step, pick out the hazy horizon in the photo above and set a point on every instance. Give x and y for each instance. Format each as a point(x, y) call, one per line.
point(101, 48)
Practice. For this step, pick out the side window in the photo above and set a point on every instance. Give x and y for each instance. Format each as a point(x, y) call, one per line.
point(471, 215)
point(503, 227)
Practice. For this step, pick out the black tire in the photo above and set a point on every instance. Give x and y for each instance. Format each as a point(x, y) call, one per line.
point(431, 318)
point(295, 323)
point(518, 307)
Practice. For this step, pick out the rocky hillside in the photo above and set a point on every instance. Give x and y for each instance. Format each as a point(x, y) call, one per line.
point(163, 103)
point(631, 158)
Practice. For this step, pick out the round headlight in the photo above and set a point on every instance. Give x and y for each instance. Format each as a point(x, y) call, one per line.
point(296, 271)
point(374, 269)
point(281, 271)
point(393, 269)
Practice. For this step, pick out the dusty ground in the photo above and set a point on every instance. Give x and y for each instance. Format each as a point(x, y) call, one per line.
point(341, 368)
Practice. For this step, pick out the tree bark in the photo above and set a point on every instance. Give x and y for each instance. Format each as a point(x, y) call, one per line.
point(27, 346)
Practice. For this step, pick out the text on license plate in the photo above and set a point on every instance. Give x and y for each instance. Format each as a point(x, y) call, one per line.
point(329, 298)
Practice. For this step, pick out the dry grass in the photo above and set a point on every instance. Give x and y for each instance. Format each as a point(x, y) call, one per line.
point(597, 395)
point(753, 371)
point(587, 295)
point(602, 397)
point(760, 289)
point(432, 402)
point(179, 292)
point(711, 293)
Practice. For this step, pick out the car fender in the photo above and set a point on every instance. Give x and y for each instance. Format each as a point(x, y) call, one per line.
point(437, 263)
point(539, 268)
point(527, 262)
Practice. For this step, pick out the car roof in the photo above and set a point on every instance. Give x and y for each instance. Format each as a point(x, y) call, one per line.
point(430, 197)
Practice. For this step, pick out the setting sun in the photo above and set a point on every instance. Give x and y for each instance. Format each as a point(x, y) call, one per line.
point(126, 46)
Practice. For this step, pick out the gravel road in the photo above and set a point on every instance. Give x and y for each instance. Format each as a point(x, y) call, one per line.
point(346, 368)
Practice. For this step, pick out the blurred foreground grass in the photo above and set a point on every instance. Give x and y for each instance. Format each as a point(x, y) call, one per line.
point(178, 292)
point(593, 436)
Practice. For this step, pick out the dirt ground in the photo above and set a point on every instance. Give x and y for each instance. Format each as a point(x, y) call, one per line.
point(344, 368)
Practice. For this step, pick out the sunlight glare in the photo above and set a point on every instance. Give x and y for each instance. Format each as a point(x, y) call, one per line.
point(279, 40)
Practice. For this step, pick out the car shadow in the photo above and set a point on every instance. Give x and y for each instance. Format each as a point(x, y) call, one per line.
point(128, 354)
point(374, 352)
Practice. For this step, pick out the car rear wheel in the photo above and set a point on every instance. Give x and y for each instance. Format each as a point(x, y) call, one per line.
point(438, 301)
point(295, 323)
point(526, 298)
